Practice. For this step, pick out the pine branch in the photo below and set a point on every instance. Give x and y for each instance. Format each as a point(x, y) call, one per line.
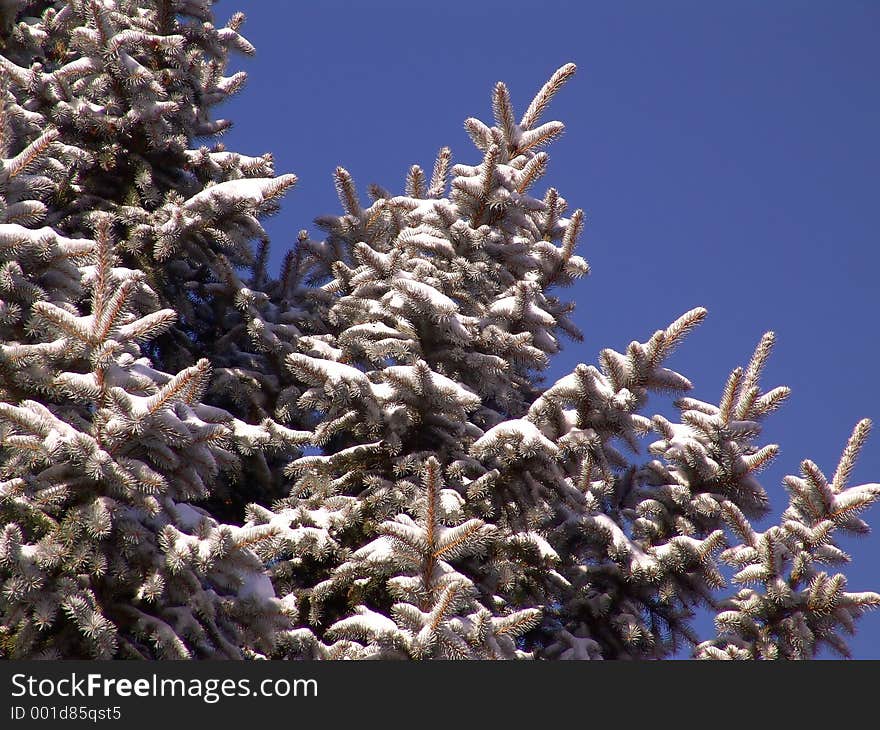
point(503, 111)
point(347, 193)
point(850, 454)
point(440, 175)
point(545, 95)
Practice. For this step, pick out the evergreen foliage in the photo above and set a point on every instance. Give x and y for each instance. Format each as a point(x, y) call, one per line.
point(358, 457)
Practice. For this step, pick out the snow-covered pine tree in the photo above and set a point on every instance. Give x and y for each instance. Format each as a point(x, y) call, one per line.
point(639, 541)
point(452, 505)
point(435, 613)
point(799, 608)
point(115, 95)
point(440, 317)
point(439, 321)
point(101, 555)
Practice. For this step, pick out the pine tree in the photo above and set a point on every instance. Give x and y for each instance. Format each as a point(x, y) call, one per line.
point(799, 608)
point(100, 104)
point(438, 321)
point(440, 317)
point(114, 97)
point(101, 555)
point(155, 378)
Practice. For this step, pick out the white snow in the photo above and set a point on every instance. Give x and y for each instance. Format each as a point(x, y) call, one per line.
point(682, 436)
point(450, 388)
point(225, 160)
point(515, 308)
point(324, 349)
point(133, 67)
point(330, 371)
point(379, 329)
point(316, 538)
point(82, 384)
point(366, 624)
point(81, 106)
point(248, 433)
point(380, 550)
point(426, 293)
point(579, 648)
point(234, 192)
point(544, 549)
point(257, 585)
point(12, 234)
point(456, 328)
point(545, 340)
point(570, 418)
point(404, 529)
point(320, 517)
point(423, 209)
point(451, 502)
point(382, 392)
point(426, 239)
point(519, 433)
point(154, 111)
point(623, 546)
point(679, 541)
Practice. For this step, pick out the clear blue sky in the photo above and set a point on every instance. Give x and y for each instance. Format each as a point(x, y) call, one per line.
point(726, 155)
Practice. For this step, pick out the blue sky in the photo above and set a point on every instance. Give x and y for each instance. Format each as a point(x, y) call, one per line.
point(726, 155)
